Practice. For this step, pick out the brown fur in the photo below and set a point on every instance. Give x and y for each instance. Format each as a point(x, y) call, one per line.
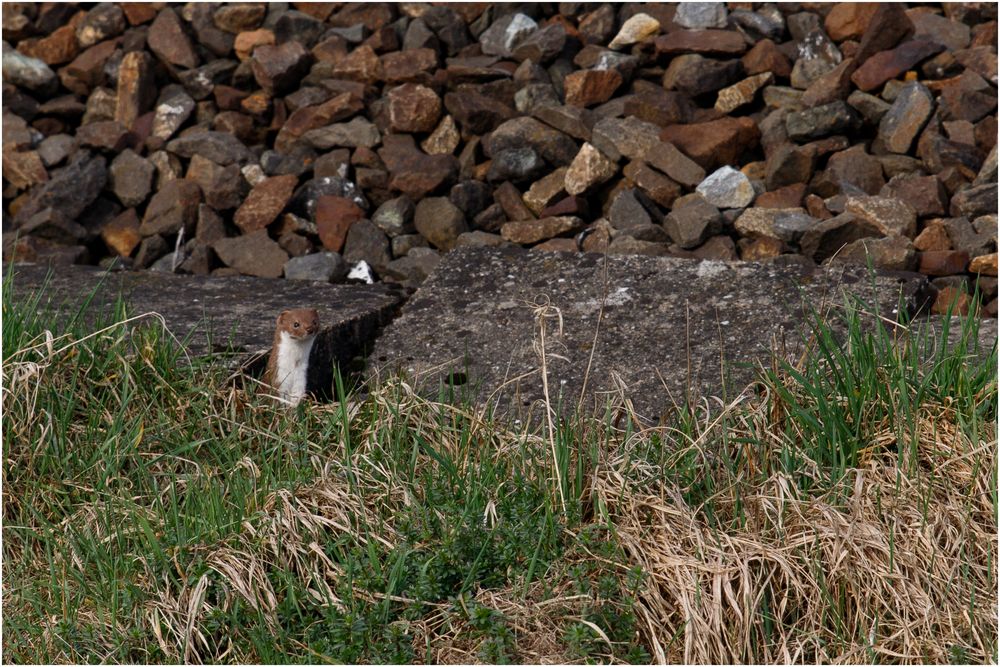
point(307, 320)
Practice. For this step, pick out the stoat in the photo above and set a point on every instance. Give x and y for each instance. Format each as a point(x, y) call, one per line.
point(288, 364)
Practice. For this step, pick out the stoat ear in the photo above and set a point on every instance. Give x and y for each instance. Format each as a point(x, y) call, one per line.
point(281, 316)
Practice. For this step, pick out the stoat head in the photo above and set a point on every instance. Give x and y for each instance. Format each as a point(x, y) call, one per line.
point(299, 322)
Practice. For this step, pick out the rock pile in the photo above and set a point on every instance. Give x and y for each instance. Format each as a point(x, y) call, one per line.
point(296, 139)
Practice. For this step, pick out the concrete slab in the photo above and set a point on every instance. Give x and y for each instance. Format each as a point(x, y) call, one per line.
point(667, 325)
point(229, 317)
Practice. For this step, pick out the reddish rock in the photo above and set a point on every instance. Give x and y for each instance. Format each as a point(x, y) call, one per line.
point(167, 39)
point(526, 232)
point(362, 65)
point(136, 88)
point(660, 188)
point(23, 169)
point(886, 65)
point(247, 42)
point(476, 113)
point(265, 202)
point(849, 20)
point(174, 207)
point(413, 66)
point(712, 42)
point(715, 143)
point(952, 301)
point(925, 194)
point(278, 69)
point(887, 26)
point(121, 234)
point(834, 85)
point(765, 56)
point(413, 172)
point(943, 262)
point(334, 218)
point(588, 87)
point(308, 118)
point(679, 167)
point(237, 17)
point(137, 13)
point(58, 48)
point(87, 69)
point(934, 237)
point(984, 265)
point(108, 135)
point(790, 196)
point(413, 108)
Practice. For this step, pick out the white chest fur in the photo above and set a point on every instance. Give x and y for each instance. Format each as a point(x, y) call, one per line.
point(291, 366)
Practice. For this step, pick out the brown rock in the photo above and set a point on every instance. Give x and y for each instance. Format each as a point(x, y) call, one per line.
point(247, 42)
point(475, 112)
point(891, 216)
point(23, 169)
point(526, 232)
point(109, 135)
point(278, 69)
point(660, 188)
point(509, 199)
point(943, 262)
point(788, 164)
point(413, 108)
point(121, 234)
point(557, 245)
point(934, 237)
point(308, 118)
point(925, 194)
point(761, 248)
point(715, 143)
point(546, 190)
point(222, 187)
point(679, 167)
point(714, 42)
point(58, 48)
point(738, 94)
point(886, 65)
point(439, 221)
point(362, 65)
point(167, 39)
point(849, 20)
point(444, 139)
point(334, 218)
point(853, 166)
point(265, 202)
point(696, 75)
point(790, 196)
point(893, 253)
point(87, 69)
point(237, 17)
point(588, 87)
point(253, 254)
point(136, 88)
point(590, 167)
point(413, 172)
point(412, 66)
point(130, 178)
point(137, 13)
point(765, 56)
point(984, 265)
point(174, 207)
point(951, 301)
point(887, 26)
point(834, 85)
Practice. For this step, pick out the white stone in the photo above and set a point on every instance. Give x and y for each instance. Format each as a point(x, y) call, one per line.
point(520, 27)
point(362, 272)
point(727, 188)
point(636, 29)
point(700, 15)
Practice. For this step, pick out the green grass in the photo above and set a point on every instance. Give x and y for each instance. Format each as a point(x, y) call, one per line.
point(154, 512)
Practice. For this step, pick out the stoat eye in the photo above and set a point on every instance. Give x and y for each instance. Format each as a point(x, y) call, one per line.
point(296, 325)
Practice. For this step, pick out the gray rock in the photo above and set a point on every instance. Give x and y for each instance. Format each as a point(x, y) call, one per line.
point(366, 242)
point(987, 173)
point(727, 188)
point(817, 56)
point(352, 134)
point(555, 147)
point(395, 216)
point(172, 208)
point(784, 224)
point(626, 211)
point(326, 267)
point(55, 149)
point(104, 21)
point(891, 216)
point(253, 254)
point(542, 45)
point(402, 245)
point(701, 15)
point(629, 137)
point(695, 75)
point(219, 147)
point(27, 72)
point(820, 121)
point(69, 190)
point(966, 237)
point(906, 118)
point(131, 178)
point(506, 33)
point(975, 201)
point(691, 221)
point(413, 269)
point(439, 221)
point(892, 253)
point(515, 164)
point(871, 108)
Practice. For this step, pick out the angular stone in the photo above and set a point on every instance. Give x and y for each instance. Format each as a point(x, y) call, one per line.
point(86, 72)
point(57, 48)
point(789, 196)
point(219, 147)
point(886, 27)
point(253, 254)
point(334, 218)
point(714, 143)
point(925, 194)
point(354, 133)
point(543, 45)
point(362, 64)
point(665, 157)
point(23, 169)
point(439, 221)
point(640, 26)
point(827, 238)
point(962, 235)
point(121, 234)
point(69, 190)
point(738, 94)
point(766, 57)
point(546, 190)
point(784, 224)
point(853, 166)
point(975, 201)
point(136, 88)
point(892, 253)
point(413, 66)
point(167, 39)
point(628, 137)
point(444, 139)
point(871, 108)
point(933, 237)
point(588, 87)
point(131, 178)
point(820, 121)
point(413, 108)
point(239, 17)
point(714, 42)
point(265, 203)
point(943, 262)
point(509, 199)
point(984, 264)
point(886, 65)
point(278, 69)
point(727, 188)
point(395, 216)
point(327, 267)
point(849, 20)
point(173, 208)
point(788, 164)
point(475, 112)
point(223, 188)
point(817, 56)
point(413, 172)
point(590, 167)
point(892, 217)
point(26, 72)
point(247, 42)
point(527, 232)
point(696, 75)
point(172, 110)
point(833, 85)
point(692, 221)
point(366, 243)
point(104, 21)
point(661, 189)
point(626, 212)
point(701, 15)
point(554, 146)
point(316, 116)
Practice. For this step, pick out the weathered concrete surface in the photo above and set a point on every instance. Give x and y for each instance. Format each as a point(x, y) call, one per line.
point(667, 324)
point(232, 317)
